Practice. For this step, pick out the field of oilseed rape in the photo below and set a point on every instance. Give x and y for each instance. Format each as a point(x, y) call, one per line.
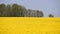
point(28, 25)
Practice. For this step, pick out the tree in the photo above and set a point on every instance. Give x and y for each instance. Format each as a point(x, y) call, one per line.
point(50, 15)
point(2, 9)
point(18, 10)
point(8, 10)
point(14, 9)
point(39, 13)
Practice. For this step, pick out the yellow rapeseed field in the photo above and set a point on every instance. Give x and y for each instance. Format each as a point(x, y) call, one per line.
point(32, 25)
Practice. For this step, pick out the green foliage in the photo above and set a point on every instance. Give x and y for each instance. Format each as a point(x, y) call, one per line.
point(2, 9)
point(50, 15)
point(8, 10)
point(15, 10)
point(39, 13)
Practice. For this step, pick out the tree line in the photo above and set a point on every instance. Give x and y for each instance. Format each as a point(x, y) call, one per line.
point(16, 10)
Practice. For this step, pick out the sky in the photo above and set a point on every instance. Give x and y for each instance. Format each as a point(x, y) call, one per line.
point(47, 6)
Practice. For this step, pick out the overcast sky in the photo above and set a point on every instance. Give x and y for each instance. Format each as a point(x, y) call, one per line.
point(47, 6)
